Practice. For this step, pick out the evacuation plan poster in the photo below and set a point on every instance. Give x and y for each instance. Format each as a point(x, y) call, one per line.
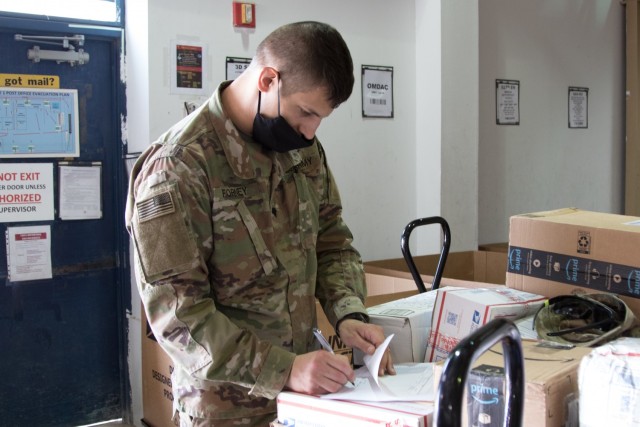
point(39, 123)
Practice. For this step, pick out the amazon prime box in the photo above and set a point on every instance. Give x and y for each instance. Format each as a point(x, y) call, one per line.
point(566, 250)
point(485, 396)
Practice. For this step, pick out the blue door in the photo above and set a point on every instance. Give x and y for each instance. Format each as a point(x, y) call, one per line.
point(62, 340)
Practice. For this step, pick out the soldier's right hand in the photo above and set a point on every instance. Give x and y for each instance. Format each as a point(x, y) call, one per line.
point(319, 372)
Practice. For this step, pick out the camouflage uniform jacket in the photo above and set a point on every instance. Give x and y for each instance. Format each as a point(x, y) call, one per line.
point(233, 243)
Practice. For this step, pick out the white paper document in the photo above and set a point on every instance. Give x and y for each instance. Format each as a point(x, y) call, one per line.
point(412, 382)
point(80, 196)
point(29, 253)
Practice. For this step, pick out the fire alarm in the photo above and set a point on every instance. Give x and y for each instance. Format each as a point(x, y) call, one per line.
point(244, 15)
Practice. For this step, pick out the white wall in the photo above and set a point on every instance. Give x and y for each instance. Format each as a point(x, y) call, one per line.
point(447, 122)
point(372, 159)
point(550, 45)
point(459, 144)
point(428, 53)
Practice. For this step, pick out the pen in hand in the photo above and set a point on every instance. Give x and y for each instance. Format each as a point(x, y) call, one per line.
point(325, 344)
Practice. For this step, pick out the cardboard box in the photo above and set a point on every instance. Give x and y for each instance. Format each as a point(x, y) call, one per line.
point(409, 319)
point(459, 312)
point(494, 247)
point(302, 410)
point(558, 252)
point(485, 404)
point(329, 333)
point(157, 397)
point(551, 374)
point(392, 275)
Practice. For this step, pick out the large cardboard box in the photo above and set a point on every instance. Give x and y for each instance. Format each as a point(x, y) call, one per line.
point(551, 374)
point(301, 410)
point(157, 397)
point(558, 252)
point(392, 275)
point(459, 312)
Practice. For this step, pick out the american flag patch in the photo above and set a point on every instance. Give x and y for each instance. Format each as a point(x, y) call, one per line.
point(158, 205)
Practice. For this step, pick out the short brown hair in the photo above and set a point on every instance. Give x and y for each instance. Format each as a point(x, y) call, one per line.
point(308, 54)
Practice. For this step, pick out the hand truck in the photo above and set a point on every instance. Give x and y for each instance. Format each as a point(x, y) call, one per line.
point(444, 251)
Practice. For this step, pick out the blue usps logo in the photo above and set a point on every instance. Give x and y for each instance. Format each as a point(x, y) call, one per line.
point(476, 317)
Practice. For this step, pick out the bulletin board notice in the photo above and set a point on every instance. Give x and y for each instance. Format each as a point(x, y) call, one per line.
point(39, 123)
point(28, 253)
point(26, 192)
point(507, 102)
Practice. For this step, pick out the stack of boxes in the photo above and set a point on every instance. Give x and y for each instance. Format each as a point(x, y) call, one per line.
point(566, 251)
point(549, 254)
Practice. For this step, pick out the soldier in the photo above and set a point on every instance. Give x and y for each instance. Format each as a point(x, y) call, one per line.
point(236, 223)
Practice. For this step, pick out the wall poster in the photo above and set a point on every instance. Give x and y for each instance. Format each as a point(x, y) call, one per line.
point(578, 107)
point(507, 102)
point(39, 123)
point(80, 191)
point(188, 68)
point(377, 91)
point(26, 192)
point(236, 66)
point(28, 253)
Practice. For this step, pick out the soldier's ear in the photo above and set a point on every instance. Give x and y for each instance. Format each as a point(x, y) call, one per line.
point(268, 79)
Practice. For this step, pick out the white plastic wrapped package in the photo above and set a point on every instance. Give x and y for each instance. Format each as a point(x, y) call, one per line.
point(609, 385)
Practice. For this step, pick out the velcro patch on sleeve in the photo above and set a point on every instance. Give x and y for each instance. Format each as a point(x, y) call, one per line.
point(156, 206)
point(165, 243)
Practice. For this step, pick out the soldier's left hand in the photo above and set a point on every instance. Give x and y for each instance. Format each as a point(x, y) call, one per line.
point(366, 337)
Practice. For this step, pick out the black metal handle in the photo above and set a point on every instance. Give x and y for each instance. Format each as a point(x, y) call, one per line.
point(404, 246)
point(448, 408)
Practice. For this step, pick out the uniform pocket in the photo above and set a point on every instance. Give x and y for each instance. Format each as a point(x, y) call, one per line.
point(163, 240)
point(242, 226)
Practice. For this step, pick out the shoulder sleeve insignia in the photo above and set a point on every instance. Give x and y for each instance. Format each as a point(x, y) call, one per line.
point(156, 206)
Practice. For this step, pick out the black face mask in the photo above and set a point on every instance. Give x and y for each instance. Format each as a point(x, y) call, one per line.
point(276, 134)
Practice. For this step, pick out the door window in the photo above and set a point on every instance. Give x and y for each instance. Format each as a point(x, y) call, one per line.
point(104, 11)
